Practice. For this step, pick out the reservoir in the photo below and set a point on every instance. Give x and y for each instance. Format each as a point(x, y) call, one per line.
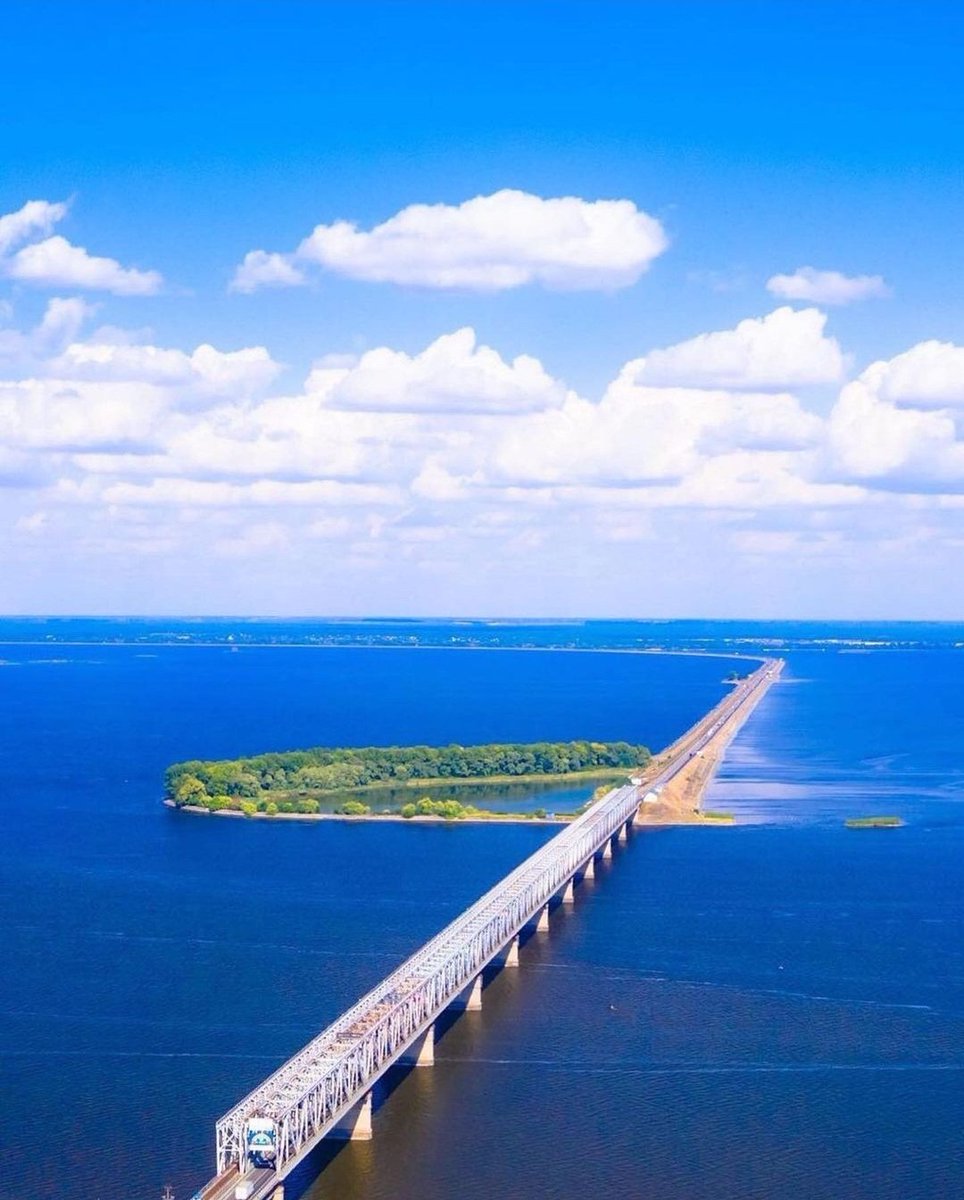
point(775, 1009)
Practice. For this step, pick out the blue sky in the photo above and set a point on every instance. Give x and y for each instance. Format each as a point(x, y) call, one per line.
point(777, 471)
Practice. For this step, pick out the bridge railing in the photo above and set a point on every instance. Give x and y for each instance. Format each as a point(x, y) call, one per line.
point(313, 1089)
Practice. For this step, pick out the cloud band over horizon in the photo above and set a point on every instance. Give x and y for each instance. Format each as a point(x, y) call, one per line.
point(760, 441)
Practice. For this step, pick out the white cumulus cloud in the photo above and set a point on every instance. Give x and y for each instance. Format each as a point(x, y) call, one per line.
point(873, 440)
point(899, 423)
point(60, 324)
point(452, 375)
point(59, 415)
point(644, 435)
point(785, 349)
point(55, 262)
point(930, 375)
point(827, 287)
point(205, 372)
point(62, 320)
point(260, 269)
point(35, 217)
point(490, 243)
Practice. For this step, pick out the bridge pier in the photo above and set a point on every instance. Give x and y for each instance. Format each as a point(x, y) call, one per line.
point(421, 1053)
point(589, 870)
point(471, 999)
point(356, 1124)
point(279, 1192)
point(511, 956)
point(607, 849)
point(542, 924)
point(568, 895)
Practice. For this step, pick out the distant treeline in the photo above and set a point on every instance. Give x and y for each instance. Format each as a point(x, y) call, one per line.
point(306, 774)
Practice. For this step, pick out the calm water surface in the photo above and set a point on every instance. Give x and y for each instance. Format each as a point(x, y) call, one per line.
point(774, 1010)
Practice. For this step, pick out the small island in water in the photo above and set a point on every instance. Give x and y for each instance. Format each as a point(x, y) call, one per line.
point(298, 782)
point(873, 822)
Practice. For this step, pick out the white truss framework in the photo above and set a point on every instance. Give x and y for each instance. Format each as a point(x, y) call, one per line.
point(313, 1091)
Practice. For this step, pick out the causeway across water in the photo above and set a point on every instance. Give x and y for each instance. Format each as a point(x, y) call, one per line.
point(325, 1089)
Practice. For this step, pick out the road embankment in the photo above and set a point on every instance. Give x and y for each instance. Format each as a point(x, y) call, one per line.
point(680, 801)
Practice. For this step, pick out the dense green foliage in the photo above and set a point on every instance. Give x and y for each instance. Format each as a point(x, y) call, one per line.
point(454, 810)
point(449, 810)
point(292, 780)
point(353, 808)
point(873, 822)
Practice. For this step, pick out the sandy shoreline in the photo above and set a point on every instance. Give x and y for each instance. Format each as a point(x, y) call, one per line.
point(495, 818)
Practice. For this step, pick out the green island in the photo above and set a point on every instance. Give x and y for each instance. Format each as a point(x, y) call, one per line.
point(873, 822)
point(297, 782)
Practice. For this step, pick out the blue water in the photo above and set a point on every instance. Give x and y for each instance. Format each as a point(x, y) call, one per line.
point(771, 1010)
point(853, 733)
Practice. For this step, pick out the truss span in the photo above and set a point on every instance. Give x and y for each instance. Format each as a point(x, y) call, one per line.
point(313, 1091)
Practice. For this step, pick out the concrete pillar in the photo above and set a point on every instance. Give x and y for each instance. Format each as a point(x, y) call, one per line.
point(512, 954)
point(621, 834)
point(471, 999)
point(421, 1053)
point(279, 1192)
point(607, 850)
point(568, 897)
point(356, 1124)
point(589, 870)
point(543, 923)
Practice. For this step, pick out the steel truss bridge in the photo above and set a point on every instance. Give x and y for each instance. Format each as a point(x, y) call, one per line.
point(326, 1086)
point(315, 1089)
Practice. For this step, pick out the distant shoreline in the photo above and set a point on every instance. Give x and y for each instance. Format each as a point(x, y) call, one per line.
point(226, 645)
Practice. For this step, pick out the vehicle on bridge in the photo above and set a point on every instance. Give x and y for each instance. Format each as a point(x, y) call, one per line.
point(261, 1142)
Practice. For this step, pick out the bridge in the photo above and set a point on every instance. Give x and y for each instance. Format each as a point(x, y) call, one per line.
point(325, 1089)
